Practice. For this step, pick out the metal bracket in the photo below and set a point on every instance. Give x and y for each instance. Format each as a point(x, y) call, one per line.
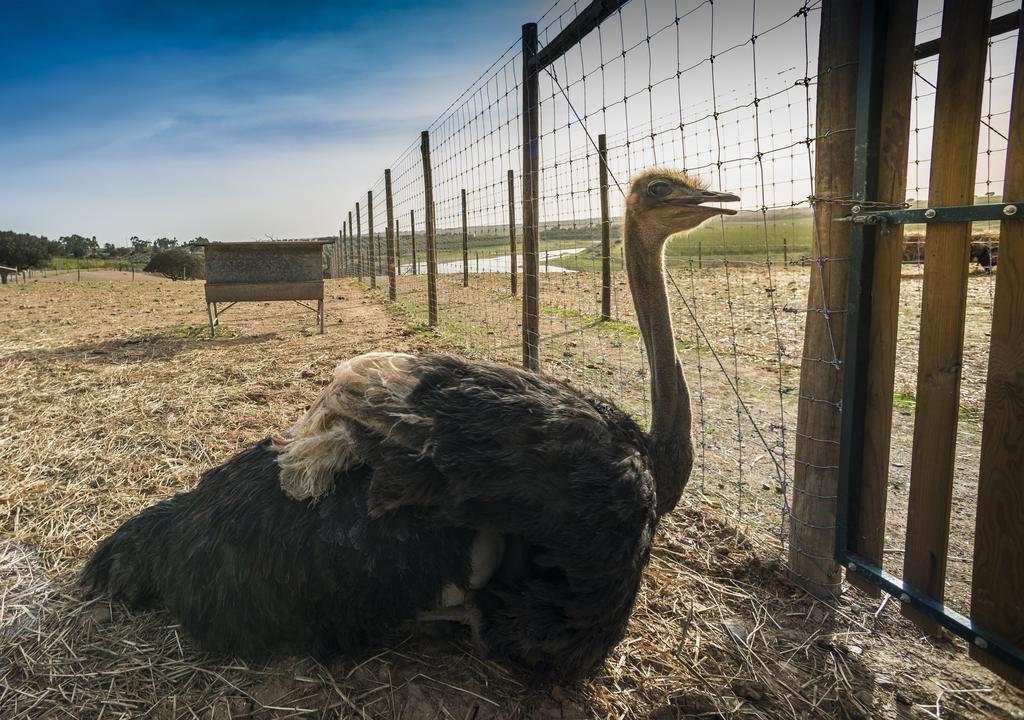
point(953, 213)
point(946, 617)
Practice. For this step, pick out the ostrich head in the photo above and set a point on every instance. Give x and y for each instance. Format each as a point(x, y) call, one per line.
point(670, 202)
point(660, 204)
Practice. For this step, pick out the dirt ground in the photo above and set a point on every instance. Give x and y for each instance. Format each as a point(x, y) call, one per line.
point(112, 396)
point(94, 276)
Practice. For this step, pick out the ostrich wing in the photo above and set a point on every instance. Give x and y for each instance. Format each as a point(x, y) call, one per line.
point(476, 444)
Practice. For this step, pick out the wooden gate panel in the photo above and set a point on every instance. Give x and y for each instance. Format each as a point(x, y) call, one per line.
point(961, 79)
point(998, 575)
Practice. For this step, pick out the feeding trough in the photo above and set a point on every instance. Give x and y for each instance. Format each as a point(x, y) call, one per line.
point(261, 272)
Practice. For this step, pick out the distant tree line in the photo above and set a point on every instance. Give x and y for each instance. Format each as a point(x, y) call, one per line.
point(24, 250)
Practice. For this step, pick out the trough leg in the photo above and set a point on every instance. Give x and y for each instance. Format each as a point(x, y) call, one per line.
point(209, 311)
point(320, 314)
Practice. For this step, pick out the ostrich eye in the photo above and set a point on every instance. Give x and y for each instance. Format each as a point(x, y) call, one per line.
point(659, 188)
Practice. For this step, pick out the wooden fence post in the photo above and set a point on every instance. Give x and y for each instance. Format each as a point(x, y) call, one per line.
point(412, 239)
point(530, 194)
point(513, 251)
point(465, 242)
point(346, 264)
point(351, 247)
point(348, 247)
point(815, 477)
point(337, 270)
point(398, 248)
point(371, 261)
point(431, 230)
point(390, 239)
point(997, 582)
point(958, 97)
point(606, 231)
point(359, 241)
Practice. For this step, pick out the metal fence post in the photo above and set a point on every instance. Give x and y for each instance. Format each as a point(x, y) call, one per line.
point(606, 231)
point(465, 242)
point(371, 261)
point(513, 252)
point(428, 216)
point(390, 236)
point(531, 190)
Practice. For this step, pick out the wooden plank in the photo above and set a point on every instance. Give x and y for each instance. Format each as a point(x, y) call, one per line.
point(998, 574)
point(264, 292)
point(885, 291)
point(816, 477)
point(961, 77)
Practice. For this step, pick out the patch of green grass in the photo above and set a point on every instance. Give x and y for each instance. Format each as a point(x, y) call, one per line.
point(971, 414)
point(745, 238)
point(904, 401)
point(65, 263)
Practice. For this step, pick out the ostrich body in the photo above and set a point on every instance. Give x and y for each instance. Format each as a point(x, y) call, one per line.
point(435, 488)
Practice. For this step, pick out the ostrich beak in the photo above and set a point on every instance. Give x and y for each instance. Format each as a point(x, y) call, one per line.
point(706, 196)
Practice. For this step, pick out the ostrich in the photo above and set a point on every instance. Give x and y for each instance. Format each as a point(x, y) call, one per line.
point(426, 488)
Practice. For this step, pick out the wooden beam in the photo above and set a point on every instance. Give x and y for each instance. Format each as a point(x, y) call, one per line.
point(998, 573)
point(961, 79)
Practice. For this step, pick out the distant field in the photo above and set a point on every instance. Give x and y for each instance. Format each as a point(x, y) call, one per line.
point(64, 263)
point(736, 240)
point(746, 237)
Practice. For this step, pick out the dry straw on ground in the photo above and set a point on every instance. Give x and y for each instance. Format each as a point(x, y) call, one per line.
point(112, 396)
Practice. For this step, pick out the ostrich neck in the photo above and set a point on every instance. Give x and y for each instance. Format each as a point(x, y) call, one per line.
point(671, 448)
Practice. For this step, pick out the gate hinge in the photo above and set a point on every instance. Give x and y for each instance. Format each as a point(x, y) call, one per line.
point(953, 213)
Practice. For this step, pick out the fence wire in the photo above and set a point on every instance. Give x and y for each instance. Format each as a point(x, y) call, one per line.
point(726, 92)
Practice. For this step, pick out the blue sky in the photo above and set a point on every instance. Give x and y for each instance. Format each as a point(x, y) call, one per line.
point(231, 120)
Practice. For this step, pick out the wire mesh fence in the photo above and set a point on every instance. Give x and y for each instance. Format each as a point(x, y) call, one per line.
point(724, 92)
